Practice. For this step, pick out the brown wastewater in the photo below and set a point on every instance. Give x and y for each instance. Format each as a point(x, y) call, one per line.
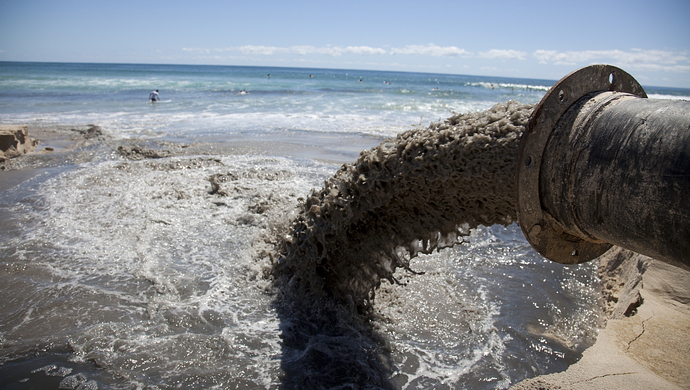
point(423, 191)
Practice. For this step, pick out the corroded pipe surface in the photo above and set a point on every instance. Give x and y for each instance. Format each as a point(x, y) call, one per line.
point(601, 165)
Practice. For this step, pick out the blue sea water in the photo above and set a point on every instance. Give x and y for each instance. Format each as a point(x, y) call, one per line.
point(204, 101)
point(134, 274)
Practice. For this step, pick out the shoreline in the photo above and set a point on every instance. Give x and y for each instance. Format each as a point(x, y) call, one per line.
point(645, 343)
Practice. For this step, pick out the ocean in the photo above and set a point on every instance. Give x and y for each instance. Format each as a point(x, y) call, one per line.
point(136, 250)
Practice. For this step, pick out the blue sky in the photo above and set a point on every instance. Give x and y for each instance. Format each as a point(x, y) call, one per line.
point(530, 39)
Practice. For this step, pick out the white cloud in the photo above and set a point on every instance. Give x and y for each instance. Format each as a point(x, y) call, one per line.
point(425, 50)
point(634, 59)
point(432, 50)
point(364, 50)
point(257, 50)
point(196, 49)
point(655, 60)
point(298, 49)
point(305, 49)
point(503, 54)
point(336, 50)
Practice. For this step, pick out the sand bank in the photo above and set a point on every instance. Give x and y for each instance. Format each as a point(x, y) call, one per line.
point(646, 342)
point(15, 141)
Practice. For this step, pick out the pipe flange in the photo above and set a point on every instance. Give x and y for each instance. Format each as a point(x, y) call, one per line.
point(540, 229)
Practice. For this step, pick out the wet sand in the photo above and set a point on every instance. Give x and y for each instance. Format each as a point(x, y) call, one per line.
point(646, 343)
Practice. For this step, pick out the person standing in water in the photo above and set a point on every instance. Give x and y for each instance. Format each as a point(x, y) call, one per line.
point(153, 96)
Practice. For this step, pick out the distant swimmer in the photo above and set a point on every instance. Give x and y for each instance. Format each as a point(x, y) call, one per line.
point(360, 80)
point(310, 76)
point(153, 96)
point(269, 75)
point(243, 92)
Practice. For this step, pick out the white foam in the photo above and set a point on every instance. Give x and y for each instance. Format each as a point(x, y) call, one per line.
point(668, 97)
point(511, 86)
point(146, 258)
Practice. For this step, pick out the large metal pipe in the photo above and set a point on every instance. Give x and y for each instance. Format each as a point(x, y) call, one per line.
point(602, 165)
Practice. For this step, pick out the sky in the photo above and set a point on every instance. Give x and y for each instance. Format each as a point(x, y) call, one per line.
point(649, 39)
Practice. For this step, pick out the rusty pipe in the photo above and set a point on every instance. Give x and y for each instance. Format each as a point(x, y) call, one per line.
point(600, 165)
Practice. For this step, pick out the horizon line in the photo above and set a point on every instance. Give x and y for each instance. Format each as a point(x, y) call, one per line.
point(320, 68)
